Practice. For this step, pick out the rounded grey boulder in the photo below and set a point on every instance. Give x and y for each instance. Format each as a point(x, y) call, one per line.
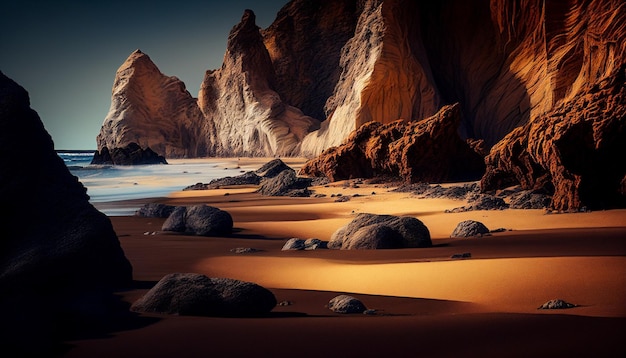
point(202, 220)
point(469, 228)
point(346, 304)
point(371, 231)
point(198, 295)
point(155, 210)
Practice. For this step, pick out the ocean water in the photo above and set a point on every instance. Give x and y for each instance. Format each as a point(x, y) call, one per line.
point(111, 183)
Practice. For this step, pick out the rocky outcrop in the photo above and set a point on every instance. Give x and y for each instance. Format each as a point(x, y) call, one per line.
point(575, 151)
point(53, 238)
point(429, 150)
point(249, 117)
point(352, 63)
point(385, 75)
point(286, 183)
point(153, 110)
point(132, 154)
point(194, 294)
point(59, 257)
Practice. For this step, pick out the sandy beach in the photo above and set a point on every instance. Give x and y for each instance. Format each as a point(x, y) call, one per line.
point(426, 303)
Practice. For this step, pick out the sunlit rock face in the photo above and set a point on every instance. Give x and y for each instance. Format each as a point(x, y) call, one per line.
point(248, 116)
point(421, 151)
point(385, 75)
point(153, 110)
point(350, 62)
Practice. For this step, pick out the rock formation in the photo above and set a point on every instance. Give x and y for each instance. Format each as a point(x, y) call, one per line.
point(429, 150)
point(202, 220)
point(371, 231)
point(153, 110)
point(575, 152)
point(346, 304)
point(198, 295)
point(59, 257)
point(131, 154)
point(52, 237)
point(347, 63)
point(238, 99)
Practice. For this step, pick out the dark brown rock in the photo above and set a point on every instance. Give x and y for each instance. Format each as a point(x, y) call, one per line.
point(575, 151)
point(429, 150)
point(131, 154)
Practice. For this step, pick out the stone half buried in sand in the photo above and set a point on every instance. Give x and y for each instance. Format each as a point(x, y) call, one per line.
point(131, 154)
point(155, 210)
point(429, 150)
point(201, 220)
point(556, 304)
point(346, 304)
point(192, 294)
point(470, 228)
point(371, 231)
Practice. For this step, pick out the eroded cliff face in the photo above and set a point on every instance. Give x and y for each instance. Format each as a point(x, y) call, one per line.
point(153, 110)
point(429, 150)
point(238, 99)
point(347, 63)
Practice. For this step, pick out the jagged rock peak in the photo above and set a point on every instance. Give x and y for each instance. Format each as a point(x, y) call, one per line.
point(239, 101)
point(152, 110)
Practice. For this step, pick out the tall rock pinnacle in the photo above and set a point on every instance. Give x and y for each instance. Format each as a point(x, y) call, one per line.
point(239, 101)
point(152, 110)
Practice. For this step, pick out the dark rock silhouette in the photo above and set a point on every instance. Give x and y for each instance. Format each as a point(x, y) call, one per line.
point(131, 154)
point(192, 294)
point(60, 259)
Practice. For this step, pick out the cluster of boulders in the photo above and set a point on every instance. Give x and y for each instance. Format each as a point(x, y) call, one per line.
point(201, 220)
point(274, 178)
point(131, 154)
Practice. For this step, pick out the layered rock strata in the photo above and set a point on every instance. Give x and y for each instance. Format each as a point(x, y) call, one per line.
point(426, 151)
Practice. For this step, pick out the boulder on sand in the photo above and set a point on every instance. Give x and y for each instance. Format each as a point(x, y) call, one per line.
point(155, 210)
point(201, 220)
point(469, 228)
point(346, 304)
point(192, 294)
point(371, 231)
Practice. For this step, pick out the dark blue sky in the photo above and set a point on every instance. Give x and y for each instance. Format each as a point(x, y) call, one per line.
point(65, 53)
